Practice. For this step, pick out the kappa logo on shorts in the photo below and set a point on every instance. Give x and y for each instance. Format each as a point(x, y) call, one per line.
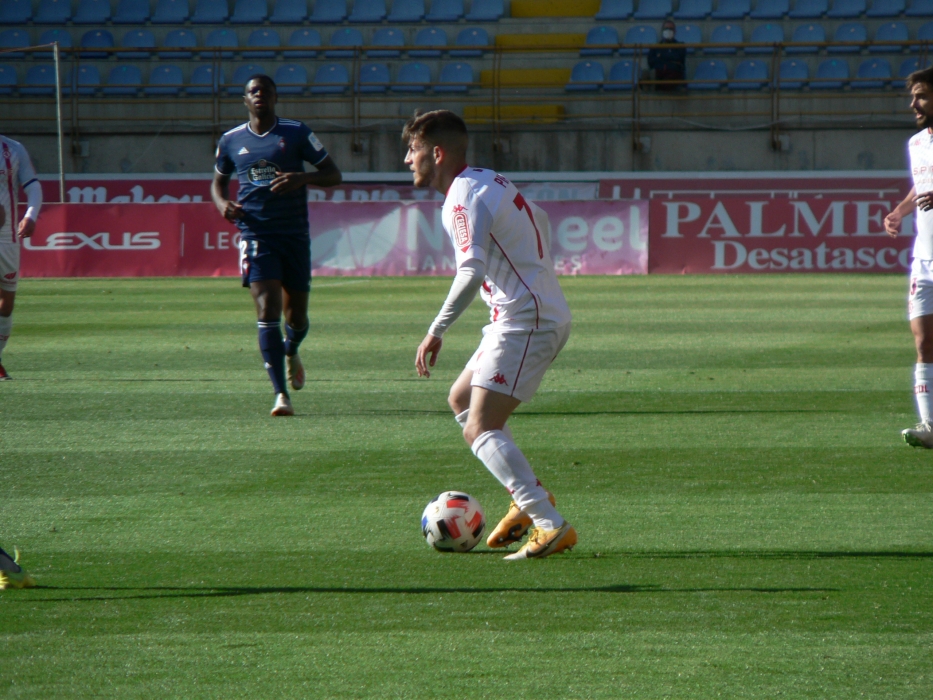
point(499, 379)
point(10, 276)
point(462, 236)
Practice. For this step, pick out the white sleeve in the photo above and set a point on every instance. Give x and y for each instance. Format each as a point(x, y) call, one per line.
point(466, 284)
point(34, 197)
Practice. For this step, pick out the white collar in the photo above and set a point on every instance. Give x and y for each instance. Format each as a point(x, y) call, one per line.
point(262, 136)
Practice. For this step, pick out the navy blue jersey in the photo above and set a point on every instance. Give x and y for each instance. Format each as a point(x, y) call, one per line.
point(257, 160)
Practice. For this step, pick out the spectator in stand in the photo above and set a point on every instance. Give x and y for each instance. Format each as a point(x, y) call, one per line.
point(668, 60)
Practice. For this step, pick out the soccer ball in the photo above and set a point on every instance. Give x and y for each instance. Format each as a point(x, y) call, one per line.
point(453, 522)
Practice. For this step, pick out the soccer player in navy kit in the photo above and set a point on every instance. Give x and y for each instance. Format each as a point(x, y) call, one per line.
point(271, 211)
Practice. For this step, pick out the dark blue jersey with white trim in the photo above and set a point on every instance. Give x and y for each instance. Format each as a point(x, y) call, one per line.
point(257, 160)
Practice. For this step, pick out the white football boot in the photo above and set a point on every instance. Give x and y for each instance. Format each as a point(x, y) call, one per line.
point(295, 372)
point(921, 436)
point(283, 406)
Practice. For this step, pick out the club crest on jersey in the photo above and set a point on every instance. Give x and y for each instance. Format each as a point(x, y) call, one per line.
point(281, 144)
point(263, 173)
point(462, 237)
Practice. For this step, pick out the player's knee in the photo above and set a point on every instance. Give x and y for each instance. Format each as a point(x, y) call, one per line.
point(471, 431)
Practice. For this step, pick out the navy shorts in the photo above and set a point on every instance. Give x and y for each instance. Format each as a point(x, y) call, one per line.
point(283, 258)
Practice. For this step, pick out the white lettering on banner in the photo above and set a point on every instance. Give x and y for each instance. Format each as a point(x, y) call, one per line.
point(755, 222)
point(98, 195)
point(674, 220)
point(732, 255)
point(635, 239)
point(87, 195)
point(608, 232)
point(572, 233)
point(720, 219)
point(148, 240)
point(221, 241)
point(835, 212)
point(417, 223)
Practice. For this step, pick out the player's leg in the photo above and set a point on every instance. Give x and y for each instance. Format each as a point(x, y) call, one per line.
point(296, 329)
point(9, 277)
point(6, 325)
point(920, 312)
point(267, 294)
point(12, 575)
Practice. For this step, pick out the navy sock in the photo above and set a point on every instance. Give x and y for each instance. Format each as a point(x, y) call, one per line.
point(293, 338)
point(273, 352)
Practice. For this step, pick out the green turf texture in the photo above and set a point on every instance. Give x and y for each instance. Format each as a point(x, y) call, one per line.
point(751, 524)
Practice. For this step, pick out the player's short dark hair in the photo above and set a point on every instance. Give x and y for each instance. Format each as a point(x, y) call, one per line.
point(440, 127)
point(261, 77)
point(920, 76)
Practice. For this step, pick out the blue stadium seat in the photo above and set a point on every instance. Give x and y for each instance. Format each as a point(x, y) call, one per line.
point(330, 79)
point(872, 74)
point(770, 9)
point(586, 76)
point(374, 77)
point(804, 34)
point(924, 35)
point(241, 75)
point(124, 80)
point(7, 79)
point(348, 37)
point(472, 37)
point(793, 74)
point(170, 12)
point(751, 74)
point(428, 37)
point(291, 79)
point(455, 77)
point(710, 74)
point(445, 11)
point(304, 44)
point(137, 39)
point(249, 12)
point(267, 40)
point(131, 12)
point(329, 11)
point(919, 8)
point(849, 32)
point(15, 12)
point(908, 66)
point(406, 11)
point(52, 12)
point(205, 81)
point(694, 9)
point(368, 11)
point(50, 36)
point(809, 9)
point(210, 12)
point(220, 39)
point(732, 9)
point(165, 79)
point(653, 9)
point(767, 33)
point(96, 39)
point(725, 34)
point(178, 39)
point(289, 12)
point(14, 39)
point(688, 34)
point(391, 39)
point(92, 12)
point(83, 81)
point(886, 8)
point(623, 75)
point(606, 38)
point(890, 31)
point(486, 11)
point(40, 80)
point(615, 9)
point(638, 35)
point(831, 74)
point(412, 77)
point(846, 9)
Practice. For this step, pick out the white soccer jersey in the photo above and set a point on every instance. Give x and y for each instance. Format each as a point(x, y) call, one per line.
point(920, 147)
point(16, 171)
point(487, 219)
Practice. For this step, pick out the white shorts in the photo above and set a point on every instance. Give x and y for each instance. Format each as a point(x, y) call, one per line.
point(9, 265)
point(515, 363)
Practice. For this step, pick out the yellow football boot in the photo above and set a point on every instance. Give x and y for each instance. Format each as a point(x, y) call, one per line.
point(513, 526)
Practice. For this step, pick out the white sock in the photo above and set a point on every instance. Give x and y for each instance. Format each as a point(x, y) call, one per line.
point(923, 374)
point(6, 325)
point(461, 418)
point(507, 463)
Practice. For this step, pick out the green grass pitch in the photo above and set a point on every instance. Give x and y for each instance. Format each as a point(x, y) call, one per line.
point(751, 524)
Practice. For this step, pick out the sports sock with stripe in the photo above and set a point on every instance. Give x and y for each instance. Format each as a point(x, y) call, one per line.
point(293, 338)
point(507, 463)
point(923, 373)
point(273, 352)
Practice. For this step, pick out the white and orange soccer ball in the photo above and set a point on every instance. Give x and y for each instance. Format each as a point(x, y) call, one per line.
point(453, 522)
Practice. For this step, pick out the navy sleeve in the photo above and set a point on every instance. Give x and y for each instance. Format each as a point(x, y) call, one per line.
point(312, 150)
point(224, 164)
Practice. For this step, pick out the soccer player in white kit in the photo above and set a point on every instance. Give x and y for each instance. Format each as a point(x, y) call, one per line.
point(920, 296)
point(501, 245)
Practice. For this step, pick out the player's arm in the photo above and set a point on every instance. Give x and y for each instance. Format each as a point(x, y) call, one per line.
point(33, 192)
point(892, 222)
point(220, 193)
point(327, 174)
point(466, 284)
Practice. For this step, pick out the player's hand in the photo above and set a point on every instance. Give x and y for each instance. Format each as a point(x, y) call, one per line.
point(26, 227)
point(286, 182)
point(892, 223)
point(924, 201)
point(232, 211)
point(431, 345)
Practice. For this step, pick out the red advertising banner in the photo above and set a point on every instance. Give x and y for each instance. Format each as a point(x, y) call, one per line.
point(363, 238)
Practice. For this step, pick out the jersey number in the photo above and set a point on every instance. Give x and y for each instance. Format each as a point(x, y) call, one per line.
point(522, 204)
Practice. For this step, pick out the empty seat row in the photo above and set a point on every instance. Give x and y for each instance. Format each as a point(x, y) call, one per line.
point(888, 37)
point(246, 11)
point(763, 9)
point(386, 42)
point(167, 79)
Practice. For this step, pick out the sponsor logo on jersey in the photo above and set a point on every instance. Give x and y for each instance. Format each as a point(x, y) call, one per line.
point(263, 173)
point(243, 151)
point(315, 142)
point(145, 240)
point(462, 237)
point(499, 379)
